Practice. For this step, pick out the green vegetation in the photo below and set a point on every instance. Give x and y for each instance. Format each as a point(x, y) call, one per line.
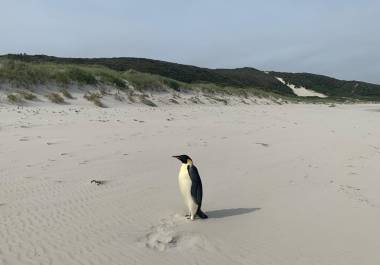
point(112, 78)
point(142, 81)
point(25, 74)
point(27, 95)
point(66, 93)
point(131, 96)
point(19, 96)
point(172, 84)
point(241, 77)
point(334, 88)
point(157, 76)
point(146, 101)
point(195, 100)
point(56, 98)
point(152, 82)
point(28, 74)
point(94, 98)
point(82, 76)
point(14, 98)
point(224, 101)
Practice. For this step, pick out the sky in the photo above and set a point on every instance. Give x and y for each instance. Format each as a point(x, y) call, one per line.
point(340, 38)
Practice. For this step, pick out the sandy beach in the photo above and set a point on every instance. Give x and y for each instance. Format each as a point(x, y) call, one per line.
point(283, 184)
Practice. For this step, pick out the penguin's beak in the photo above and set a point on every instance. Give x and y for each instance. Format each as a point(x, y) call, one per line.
point(176, 157)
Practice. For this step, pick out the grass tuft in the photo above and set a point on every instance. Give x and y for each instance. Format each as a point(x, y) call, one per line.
point(94, 98)
point(13, 98)
point(66, 93)
point(172, 84)
point(224, 101)
point(195, 100)
point(27, 95)
point(56, 98)
point(146, 101)
point(82, 76)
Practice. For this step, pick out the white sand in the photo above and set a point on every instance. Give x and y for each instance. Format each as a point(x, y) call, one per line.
point(290, 184)
point(302, 91)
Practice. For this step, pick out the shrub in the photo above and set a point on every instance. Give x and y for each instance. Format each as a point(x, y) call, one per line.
point(111, 78)
point(61, 77)
point(94, 98)
point(27, 95)
point(56, 98)
point(13, 98)
point(172, 84)
point(224, 101)
point(66, 93)
point(131, 96)
point(195, 100)
point(144, 100)
point(143, 81)
point(81, 76)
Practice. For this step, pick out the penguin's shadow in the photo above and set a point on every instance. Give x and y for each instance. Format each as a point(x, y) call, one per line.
point(230, 212)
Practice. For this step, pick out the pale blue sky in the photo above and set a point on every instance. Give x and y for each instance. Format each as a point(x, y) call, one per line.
point(338, 38)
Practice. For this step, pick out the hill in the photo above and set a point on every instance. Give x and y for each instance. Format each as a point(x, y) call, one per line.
point(239, 78)
point(242, 77)
point(332, 87)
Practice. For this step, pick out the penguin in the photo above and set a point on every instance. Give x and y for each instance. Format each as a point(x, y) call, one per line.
point(190, 185)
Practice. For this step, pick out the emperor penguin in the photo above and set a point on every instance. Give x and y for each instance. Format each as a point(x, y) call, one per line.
point(190, 185)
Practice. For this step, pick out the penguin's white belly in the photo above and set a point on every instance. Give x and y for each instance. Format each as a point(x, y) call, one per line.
point(184, 181)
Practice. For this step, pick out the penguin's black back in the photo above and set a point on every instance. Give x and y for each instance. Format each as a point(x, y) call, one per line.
point(196, 185)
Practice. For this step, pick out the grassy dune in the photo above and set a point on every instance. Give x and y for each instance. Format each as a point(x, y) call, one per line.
point(240, 77)
point(154, 75)
point(29, 74)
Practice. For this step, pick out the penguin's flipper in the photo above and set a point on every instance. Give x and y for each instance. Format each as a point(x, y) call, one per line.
point(196, 185)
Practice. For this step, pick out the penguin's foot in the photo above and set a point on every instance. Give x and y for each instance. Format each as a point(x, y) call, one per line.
point(201, 214)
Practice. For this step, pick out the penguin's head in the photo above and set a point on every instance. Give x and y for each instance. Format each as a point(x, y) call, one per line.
point(185, 159)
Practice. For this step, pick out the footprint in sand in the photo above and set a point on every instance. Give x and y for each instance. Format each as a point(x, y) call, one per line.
point(263, 144)
point(168, 236)
point(355, 194)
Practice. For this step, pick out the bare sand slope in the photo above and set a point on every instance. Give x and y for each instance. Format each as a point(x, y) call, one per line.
point(290, 184)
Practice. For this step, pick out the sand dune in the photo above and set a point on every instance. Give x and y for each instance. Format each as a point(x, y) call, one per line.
point(302, 91)
point(283, 184)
